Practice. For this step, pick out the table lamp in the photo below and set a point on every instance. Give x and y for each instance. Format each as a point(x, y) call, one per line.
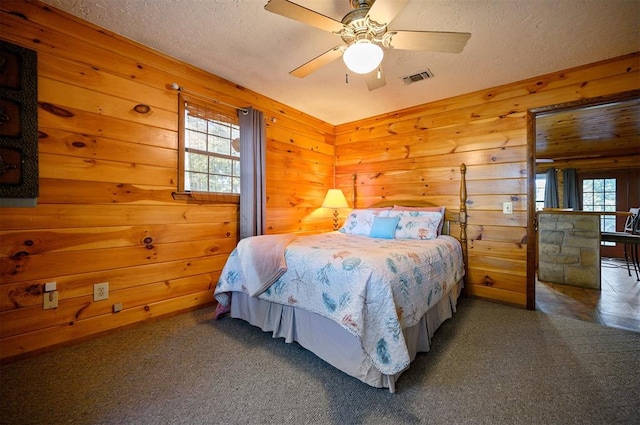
point(335, 199)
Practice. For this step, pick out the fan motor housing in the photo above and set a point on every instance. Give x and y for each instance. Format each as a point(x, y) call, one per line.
point(358, 26)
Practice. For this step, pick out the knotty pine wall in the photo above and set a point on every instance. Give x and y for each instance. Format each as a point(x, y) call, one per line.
point(415, 154)
point(105, 211)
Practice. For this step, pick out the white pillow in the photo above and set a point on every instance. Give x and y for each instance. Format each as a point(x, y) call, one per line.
point(413, 225)
point(424, 209)
point(359, 221)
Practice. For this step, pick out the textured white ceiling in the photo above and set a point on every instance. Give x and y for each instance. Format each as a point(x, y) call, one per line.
point(240, 41)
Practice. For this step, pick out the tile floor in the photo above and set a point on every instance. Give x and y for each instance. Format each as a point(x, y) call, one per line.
point(616, 304)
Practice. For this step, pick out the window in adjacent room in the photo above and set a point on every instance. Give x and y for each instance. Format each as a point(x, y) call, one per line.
point(600, 195)
point(541, 181)
point(209, 150)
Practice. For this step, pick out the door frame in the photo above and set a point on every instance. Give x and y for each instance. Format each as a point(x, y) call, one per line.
point(532, 219)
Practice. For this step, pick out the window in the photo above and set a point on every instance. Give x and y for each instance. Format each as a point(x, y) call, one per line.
point(209, 148)
point(541, 181)
point(600, 195)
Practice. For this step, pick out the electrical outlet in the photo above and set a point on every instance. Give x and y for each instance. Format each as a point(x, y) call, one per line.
point(507, 208)
point(101, 291)
point(50, 300)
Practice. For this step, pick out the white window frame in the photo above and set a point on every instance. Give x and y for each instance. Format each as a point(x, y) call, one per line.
point(607, 222)
point(214, 115)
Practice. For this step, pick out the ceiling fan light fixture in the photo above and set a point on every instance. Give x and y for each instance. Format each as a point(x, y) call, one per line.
point(363, 57)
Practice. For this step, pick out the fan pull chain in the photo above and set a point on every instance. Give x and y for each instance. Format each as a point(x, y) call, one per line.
point(379, 73)
point(346, 78)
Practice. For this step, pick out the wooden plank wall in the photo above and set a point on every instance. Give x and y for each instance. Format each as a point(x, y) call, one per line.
point(415, 153)
point(105, 211)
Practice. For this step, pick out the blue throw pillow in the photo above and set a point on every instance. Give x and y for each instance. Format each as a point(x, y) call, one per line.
point(384, 227)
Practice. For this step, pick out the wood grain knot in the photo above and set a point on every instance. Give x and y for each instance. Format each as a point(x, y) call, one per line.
point(142, 108)
point(55, 110)
point(19, 15)
point(34, 290)
point(19, 255)
point(487, 281)
point(147, 240)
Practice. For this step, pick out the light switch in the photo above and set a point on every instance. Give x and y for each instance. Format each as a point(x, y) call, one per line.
point(50, 300)
point(507, 207)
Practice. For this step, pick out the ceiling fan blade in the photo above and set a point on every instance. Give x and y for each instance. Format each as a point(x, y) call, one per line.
point(373, 81)
point(434, 41)
point(302, 14)
point(383, 11)
point(318, 62)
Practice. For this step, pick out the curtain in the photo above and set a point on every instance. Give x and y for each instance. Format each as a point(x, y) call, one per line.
point(571, 192)
point(253, 196)
point(551, 189)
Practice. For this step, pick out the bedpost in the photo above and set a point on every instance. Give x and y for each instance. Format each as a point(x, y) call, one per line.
point(463, 224)
point(354, 177)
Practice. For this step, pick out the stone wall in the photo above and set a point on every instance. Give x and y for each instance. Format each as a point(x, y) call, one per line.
point(569, 249)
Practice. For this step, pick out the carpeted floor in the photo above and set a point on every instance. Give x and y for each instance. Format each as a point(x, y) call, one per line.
point(490, 364)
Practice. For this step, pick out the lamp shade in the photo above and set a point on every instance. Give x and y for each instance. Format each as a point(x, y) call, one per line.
point(335, 199)
point(363, 56)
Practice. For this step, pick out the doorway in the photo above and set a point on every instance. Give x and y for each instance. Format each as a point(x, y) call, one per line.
point(591, 134)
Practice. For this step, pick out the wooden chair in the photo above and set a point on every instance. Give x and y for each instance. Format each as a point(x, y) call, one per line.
point(630, 237)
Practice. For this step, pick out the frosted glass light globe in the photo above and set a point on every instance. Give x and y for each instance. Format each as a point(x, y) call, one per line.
point(363, 57)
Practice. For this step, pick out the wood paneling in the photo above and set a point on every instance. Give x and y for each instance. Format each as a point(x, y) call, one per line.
point(105, 211)
point(411, 154)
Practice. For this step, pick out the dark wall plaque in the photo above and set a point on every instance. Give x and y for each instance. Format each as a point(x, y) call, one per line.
point(18, 126)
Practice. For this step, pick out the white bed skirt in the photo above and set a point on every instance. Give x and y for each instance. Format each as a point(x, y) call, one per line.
point(334, 344)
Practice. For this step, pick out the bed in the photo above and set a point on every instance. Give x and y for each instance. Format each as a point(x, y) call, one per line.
point(365, 299)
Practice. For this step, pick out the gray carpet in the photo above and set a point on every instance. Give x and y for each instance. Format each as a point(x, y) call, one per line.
point(490, 364)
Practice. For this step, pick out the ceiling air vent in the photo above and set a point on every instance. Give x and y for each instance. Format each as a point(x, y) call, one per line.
point(423, 75)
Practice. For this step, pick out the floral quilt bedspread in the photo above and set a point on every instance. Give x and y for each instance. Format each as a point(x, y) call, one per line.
point(372, 287)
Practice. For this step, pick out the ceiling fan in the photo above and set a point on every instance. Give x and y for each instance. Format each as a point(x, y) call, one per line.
point(364, 32)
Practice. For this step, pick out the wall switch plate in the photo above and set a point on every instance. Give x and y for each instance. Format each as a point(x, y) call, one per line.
point(50, 300)
point(507, 208)
point(117, 307)
point(101, 291)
